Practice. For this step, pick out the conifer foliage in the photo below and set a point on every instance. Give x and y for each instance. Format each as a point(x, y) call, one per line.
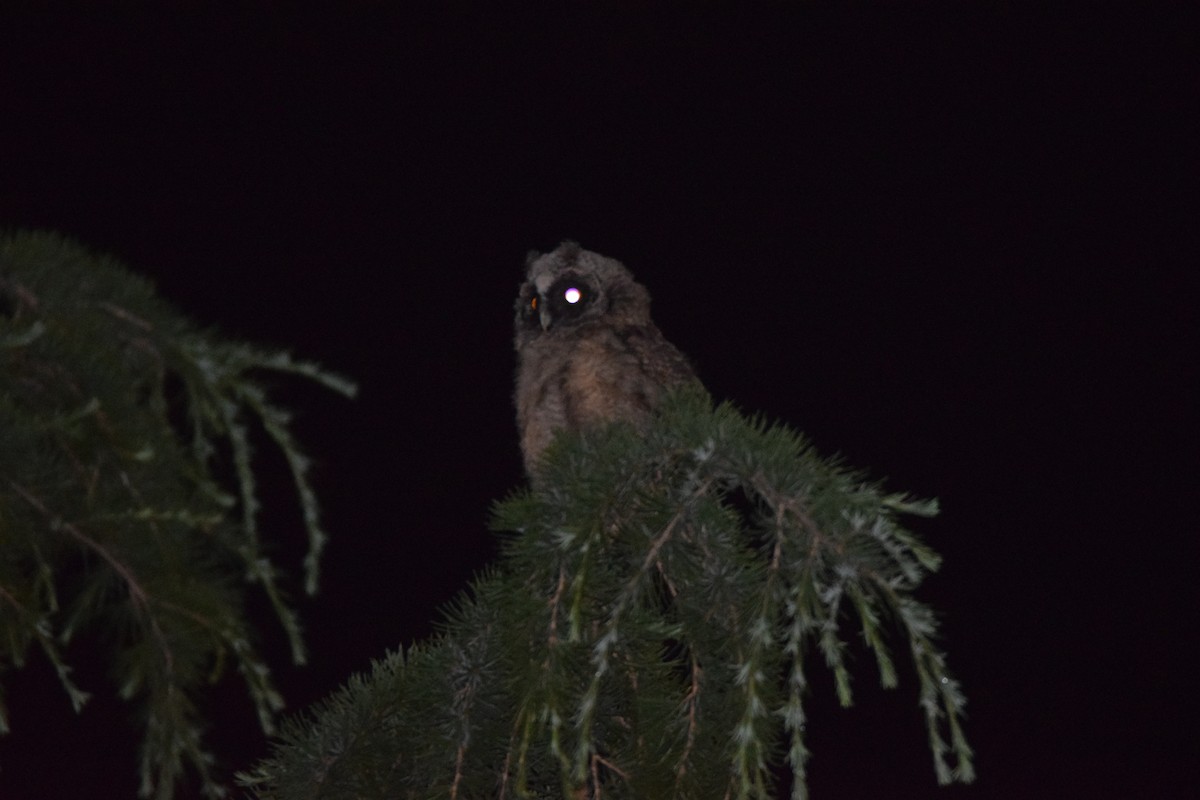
point(128, 500)
point(650, 632)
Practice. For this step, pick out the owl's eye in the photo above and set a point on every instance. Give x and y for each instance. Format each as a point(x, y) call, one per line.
point(564, 303)
point(568, 297)
point(528, 311)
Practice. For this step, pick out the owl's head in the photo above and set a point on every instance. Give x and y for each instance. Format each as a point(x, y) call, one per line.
point(569, 287)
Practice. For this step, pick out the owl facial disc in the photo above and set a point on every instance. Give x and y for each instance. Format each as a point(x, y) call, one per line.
point(564, 301)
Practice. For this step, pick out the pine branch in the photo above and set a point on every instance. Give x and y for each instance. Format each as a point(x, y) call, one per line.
point(116, 418)
point(649, 630)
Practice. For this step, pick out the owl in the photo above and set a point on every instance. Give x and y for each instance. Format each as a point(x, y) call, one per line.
point(587, 351)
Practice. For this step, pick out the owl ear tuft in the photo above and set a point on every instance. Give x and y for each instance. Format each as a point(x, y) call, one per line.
point(568, 251)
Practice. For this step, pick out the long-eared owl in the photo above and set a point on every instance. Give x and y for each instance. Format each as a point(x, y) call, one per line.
point(587, 350)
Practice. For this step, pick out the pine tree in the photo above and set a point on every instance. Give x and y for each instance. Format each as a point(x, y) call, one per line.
point(128, 499)
point(649, 632)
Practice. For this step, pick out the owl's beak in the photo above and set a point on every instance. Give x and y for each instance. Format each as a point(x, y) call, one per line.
point(544, 316)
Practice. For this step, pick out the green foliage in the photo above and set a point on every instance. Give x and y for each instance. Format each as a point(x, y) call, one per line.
point(128, 502)
point(650, 631)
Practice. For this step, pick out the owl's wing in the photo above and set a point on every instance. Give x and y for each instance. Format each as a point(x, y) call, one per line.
point(661, 360)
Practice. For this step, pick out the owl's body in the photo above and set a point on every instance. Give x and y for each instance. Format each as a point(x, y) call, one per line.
point(587, 350)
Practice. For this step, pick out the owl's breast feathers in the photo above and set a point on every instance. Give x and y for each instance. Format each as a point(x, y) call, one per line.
point(608, 374)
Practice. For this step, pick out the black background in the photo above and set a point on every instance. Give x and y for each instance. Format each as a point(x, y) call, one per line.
point(950, 244)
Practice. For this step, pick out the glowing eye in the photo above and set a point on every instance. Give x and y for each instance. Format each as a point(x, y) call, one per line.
point(572, 295)
point(533, 304)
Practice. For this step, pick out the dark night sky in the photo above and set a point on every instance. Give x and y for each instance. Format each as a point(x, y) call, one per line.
point(963, 234)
